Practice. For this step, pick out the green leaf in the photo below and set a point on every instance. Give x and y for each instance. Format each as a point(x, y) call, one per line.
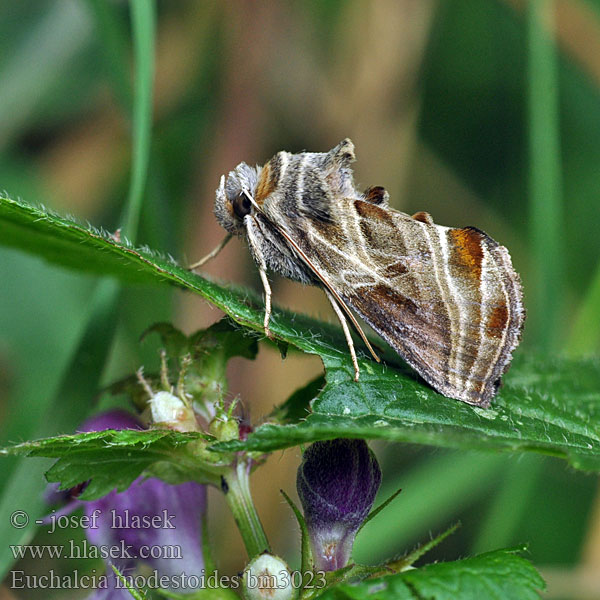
point(68, 243)
point(412, 557)
point(114, 459)
point(547, 405)
point(297, 406)
point(501, 575)
point(209, 351)
point(306, 563)
point(65, 242)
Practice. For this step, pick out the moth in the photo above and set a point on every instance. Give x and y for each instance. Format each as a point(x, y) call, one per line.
point(448, 300)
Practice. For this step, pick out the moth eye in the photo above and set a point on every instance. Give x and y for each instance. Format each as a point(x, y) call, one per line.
point(242, 205)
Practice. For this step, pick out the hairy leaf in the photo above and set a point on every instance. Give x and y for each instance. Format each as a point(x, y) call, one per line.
point(114, 459)
point(546, 405)
point(550, 406)
point(498, 575)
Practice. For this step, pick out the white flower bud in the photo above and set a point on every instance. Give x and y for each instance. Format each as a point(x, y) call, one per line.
point(169, 410)
point(267, 577)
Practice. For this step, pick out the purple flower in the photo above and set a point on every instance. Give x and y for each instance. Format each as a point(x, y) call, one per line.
point(150, 522)
point(153, 522)
point(67, 499)
point(337, 483)
point(111, 419)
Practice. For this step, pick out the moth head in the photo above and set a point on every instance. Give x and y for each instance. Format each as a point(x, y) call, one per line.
point(234, 196)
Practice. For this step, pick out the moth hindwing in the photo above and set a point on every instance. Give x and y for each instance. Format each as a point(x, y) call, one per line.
point(448, 300)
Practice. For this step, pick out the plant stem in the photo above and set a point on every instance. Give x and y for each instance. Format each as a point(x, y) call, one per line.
point(545, 172)
point(236, 486)
point(143, 19)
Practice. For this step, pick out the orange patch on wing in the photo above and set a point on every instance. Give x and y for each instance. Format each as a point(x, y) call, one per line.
point(468, 246)
point(498, 320)
point(265, 186)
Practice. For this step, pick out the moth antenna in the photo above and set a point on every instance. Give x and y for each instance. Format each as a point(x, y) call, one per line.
point(212, 253)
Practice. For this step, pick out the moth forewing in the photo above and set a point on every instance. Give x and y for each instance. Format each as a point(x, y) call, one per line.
point(447, 300)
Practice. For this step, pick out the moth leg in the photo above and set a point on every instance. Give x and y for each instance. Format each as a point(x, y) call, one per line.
point(212, 253)
point(257, 254)
point(267, 287)
point(342, 317)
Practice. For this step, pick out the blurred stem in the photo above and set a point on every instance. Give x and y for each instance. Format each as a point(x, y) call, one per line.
point(114, 39)
point(509, 504)
point(545, 177)
point(143, 19)
point(585, 335)
point(236, 487)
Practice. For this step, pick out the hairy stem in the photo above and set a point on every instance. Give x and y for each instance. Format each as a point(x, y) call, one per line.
point(236, 487)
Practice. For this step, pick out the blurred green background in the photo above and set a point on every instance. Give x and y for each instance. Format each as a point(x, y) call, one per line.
point(482, 113)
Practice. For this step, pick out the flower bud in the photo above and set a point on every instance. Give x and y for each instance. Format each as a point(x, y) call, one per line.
point(224, 429)
point(337, 483)
point(267, 577)
point(170, 411)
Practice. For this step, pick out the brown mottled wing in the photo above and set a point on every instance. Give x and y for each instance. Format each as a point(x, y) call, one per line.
point(447, 300)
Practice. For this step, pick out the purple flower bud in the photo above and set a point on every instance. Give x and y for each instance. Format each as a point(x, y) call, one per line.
point(337, 483)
